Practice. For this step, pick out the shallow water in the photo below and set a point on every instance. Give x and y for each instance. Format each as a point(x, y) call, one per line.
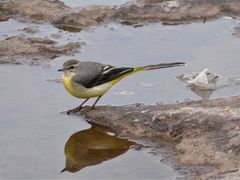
point(33, 133)
point(209, 45)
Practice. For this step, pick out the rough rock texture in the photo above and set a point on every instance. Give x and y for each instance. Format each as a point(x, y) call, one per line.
point(81, 18)
point(3, 15)
point(56, 12)
point(203, 136)
point(17, 50)
point(142, 11)
point(176, 11)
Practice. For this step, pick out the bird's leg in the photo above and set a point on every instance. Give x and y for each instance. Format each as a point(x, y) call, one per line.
point(77, 108)
point(93, 106)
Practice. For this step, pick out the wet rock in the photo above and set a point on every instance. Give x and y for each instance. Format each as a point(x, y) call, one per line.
point(205, 79)
point(202, 136)
point(175, 10)
point(236, 31)
point(19, 49)
point(55, 12)
point(56, 36)
point(129, 23)
point(75, 19)
point(36, 9)
point(69, 28)
point(78, 19)
point(30, 29)
point(3, 14)
point(138, 25)
point(2, 18)
point(201, 83)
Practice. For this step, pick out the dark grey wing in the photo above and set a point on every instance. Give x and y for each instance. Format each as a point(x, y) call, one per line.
point(94, 74)
point(86, 72)
point(108, 74)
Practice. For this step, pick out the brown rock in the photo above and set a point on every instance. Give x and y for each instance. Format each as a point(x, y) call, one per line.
point(75, 19)
point(17, 50)
point(56, 12)
point(203, 136)
point(176, 10)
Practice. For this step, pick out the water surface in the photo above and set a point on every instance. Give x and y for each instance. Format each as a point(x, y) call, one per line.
point(210, 45)
point(33, 132)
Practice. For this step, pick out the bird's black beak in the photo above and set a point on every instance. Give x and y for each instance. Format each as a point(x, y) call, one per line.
point(61, 69)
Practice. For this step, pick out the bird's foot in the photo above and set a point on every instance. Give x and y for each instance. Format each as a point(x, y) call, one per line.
point(75, 110)
point(93, 107)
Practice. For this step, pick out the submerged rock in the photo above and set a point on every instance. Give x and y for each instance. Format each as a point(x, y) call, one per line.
point(205, 79)
point(202, 136)
point(201, 83)
point(236, 31)
point(18, 50)
point(30, 29)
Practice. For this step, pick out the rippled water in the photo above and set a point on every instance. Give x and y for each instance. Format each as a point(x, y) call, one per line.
point(33, 133)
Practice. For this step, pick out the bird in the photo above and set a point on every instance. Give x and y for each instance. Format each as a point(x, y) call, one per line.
point(87, 79)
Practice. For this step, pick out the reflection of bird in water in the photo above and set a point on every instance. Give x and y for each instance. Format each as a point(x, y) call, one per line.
point(93, 146)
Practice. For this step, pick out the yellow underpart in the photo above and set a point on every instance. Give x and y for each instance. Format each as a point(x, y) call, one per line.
point(82, 92)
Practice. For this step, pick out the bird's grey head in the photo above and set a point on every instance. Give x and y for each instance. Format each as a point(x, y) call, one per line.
point(70, 66)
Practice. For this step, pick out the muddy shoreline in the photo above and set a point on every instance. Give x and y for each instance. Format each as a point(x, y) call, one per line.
point(202, 137)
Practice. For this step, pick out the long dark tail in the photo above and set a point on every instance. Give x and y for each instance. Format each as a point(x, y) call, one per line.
point(159, 66)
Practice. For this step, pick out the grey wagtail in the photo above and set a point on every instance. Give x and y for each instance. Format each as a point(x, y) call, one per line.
point(86, 80)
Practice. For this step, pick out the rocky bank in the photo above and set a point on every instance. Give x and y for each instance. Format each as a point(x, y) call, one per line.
point(202, 137)
point(141, 11)
point(34, 51)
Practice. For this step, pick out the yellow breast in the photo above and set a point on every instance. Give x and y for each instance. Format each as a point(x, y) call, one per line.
point(80, 91)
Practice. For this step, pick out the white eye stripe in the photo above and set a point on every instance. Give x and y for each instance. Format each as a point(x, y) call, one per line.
point(71, 67)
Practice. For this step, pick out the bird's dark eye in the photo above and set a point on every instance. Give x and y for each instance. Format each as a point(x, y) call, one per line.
point(208, 73)
point(71, 67)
